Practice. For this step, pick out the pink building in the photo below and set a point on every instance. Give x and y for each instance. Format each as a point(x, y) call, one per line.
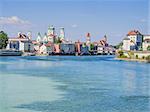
point(56, 48)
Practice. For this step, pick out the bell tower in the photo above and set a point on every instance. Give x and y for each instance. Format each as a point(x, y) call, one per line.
point(62, 33)
point(88, 38)
point(51, 30)
point(51, 33)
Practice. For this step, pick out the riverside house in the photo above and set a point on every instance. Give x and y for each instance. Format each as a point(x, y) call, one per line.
point(132, 41)
point(81, 48)
point(22, 43)
point(135, 41)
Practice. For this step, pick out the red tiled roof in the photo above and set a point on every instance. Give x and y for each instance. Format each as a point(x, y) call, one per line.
point(134, 32)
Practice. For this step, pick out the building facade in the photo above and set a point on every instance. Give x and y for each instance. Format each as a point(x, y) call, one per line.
point(133, 41)
point(67, 48)
point(22, 43)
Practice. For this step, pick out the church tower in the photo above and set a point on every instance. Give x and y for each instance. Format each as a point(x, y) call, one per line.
point(51, 34)
point(62, 33)
point(88, 39)
point(51, 30)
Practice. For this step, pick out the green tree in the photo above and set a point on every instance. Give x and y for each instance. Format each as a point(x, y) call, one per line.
point(91, 46)
point(3, 40)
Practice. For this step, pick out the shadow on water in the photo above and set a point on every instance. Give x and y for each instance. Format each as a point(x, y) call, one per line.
point(70, 58)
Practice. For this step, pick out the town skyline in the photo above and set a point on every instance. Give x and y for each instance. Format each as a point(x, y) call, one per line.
point(106, 17)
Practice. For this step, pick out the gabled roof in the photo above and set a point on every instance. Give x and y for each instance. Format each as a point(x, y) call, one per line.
point(126, 38)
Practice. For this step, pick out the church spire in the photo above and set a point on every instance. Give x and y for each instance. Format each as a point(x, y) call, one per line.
point(39, 38)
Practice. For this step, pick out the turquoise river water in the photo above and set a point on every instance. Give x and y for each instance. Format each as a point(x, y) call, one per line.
point(73, 84)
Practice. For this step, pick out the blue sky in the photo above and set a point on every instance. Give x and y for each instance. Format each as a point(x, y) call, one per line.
point(99, 17)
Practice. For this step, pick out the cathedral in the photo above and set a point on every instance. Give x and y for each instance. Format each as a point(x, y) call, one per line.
point(47, 43)
point(51, 36)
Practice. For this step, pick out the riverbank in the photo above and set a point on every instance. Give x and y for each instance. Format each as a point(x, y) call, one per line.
point(134, 60)
point(138, 56)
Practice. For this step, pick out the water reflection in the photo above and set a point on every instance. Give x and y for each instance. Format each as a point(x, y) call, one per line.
point(135, 83)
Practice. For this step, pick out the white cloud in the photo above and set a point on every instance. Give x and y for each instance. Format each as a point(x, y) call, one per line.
point(74, 26)
point(13, 20)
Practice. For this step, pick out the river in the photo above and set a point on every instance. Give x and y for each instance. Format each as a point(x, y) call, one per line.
point(73, 84)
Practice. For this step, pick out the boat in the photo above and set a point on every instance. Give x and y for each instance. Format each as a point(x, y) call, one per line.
point(5, 52)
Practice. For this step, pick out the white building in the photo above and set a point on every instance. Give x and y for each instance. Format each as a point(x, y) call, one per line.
point(133, 41)
point(146, 42)
point(22, 43)
point(126, 44)
point(101, 48)
point(46, 48)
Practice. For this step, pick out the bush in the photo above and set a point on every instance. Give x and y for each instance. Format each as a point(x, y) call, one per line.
point(143, 57)
point(120, 53)
point(122, 56)
point(136, 56)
